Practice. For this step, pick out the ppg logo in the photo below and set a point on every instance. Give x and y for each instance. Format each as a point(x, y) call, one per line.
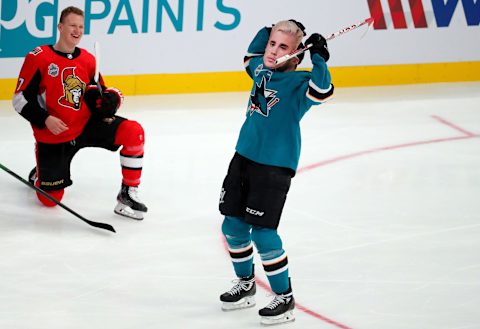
point(26, 24)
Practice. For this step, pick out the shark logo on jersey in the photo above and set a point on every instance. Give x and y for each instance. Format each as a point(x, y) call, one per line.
point(263, 99)
point(73, 89)
point(266, 72)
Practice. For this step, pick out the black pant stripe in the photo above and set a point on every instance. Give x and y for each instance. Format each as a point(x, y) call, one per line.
point(243, 254)
point(276, 266)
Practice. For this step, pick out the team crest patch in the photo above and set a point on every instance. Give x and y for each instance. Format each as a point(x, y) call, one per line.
point(53, 70)
point(73, 89)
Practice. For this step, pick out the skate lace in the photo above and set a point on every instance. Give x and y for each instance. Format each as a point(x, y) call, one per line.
point(133, 193)
point(240, 285)
point(278, 300)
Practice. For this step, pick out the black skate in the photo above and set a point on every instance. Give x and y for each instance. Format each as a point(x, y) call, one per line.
point(241, 295)
point(32, 176)
point(280, 309)
point(129, 204)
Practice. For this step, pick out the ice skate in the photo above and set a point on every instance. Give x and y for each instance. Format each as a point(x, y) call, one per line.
point(242, 294)
point(32, 176)
point(129, 204)
point(280, 309)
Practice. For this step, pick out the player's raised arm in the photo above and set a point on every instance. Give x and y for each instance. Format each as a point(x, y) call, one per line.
point(320, 88)
point(256, 47)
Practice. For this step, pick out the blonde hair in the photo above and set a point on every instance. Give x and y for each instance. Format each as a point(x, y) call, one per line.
point(291, 28)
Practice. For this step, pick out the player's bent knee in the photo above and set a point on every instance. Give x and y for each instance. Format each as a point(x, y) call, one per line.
point(130, 133)
point(232, 226)
point(236, 232)
point(57, 195)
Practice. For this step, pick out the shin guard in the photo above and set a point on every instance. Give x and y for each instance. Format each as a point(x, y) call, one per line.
point(131, 136)
point(274, 259)
point(240, 247)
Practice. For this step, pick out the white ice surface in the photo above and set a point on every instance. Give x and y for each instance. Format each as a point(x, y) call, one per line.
point(383, 231)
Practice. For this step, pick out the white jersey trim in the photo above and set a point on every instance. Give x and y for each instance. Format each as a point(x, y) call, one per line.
point(19, 102)
point(320, 90)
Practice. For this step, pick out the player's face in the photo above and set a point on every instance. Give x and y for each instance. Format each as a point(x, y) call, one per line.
point(279, 44)
point(71, 30)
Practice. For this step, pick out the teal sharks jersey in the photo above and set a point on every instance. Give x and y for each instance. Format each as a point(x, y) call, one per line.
point(278, 100)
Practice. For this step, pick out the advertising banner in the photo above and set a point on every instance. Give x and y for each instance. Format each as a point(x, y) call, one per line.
point(188, 36)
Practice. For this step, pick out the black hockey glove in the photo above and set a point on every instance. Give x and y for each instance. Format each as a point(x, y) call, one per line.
point(103, 105)
point(111, 101)
point(319, 46)
point(90, 97)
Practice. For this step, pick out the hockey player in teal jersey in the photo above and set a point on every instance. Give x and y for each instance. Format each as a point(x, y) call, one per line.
point(266, 158)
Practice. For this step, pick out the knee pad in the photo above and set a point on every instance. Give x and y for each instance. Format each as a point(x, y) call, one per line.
point(57, 195)
point(130, 133)
point(236, 231)
point(267, 241)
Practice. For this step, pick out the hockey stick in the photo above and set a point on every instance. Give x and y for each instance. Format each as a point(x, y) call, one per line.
point(332, 36)
point(45, 194)
point(96, 77)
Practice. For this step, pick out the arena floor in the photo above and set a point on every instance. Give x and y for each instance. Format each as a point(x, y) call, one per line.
point(382, 223)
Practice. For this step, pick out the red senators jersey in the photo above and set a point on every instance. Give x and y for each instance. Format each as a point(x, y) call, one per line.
point(53, 83)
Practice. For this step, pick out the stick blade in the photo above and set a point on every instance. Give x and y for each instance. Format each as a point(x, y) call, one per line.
point(48, 196)
point(104, 226)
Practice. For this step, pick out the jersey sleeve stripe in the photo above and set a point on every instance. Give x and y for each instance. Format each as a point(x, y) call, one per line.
point(312, 85)
point(319, 95)
point(34, 114)
point(19, 102)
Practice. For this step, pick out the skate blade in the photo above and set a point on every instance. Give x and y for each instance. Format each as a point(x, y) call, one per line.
point(126, 211)
point(279, 319)
point(245, 302)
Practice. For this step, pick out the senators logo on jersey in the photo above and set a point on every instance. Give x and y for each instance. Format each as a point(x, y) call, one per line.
point(73, 89)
